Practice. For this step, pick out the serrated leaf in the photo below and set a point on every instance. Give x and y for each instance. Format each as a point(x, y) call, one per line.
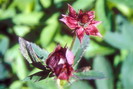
point(33, 54)
point(103, 65)
point(127, 72)
point(88, 75)
point(79, 48)
point(38, 76)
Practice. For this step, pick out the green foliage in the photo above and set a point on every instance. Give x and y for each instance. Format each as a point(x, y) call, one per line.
point(79, 48)
point(102, 64)
point(126, 72)
point(88, 75)
point(37, 21)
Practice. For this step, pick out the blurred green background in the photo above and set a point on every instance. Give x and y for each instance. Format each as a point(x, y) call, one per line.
point(38, 21)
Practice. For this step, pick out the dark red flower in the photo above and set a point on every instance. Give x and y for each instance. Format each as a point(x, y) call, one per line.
point(81, 22)
point(60, 62)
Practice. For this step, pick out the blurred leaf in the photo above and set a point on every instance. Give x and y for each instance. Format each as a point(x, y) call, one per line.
point(96, 49)
point(63, 39)
point(101, 64)
point(125, 2)
point(21, 30)
point(127, 72)
point(48, 83)
point(79, 48)
point(102, 15)
point(48, 33)
point(83, 4)
point(121, 38)
point(88, 75)
point(5, 14)
point(2, 86)
point(33, 53)
point(80, 85)
point(16, 85)
point(23, 5)
point(4, 73)
point(28, 18)
point(4, 43)
point(38, 76)
point(21, 69)
point(45, 3)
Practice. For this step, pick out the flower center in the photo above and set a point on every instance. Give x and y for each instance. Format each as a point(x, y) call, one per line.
point(84, 18)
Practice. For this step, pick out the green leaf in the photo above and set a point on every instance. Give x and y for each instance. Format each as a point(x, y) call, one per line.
point(80, 85)
point(123, 35)
point(97, 49)
point(38, 76)
point(21, 30)
point(4, 43)
point(101, 64)
point(45, 3)
point(124, 2)
point(102, 15)
point(83, 4)
point(48, 33)
point(127, 72)
point(48, 83)
point(23, 5)
point(88, 75)
point(79, 48)
point(28, 18)
point(33, 53)
point(16, 85)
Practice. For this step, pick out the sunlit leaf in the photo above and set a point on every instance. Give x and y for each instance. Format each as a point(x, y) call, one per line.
point(16, 85)
point(21, 30)
point(49, 31)
point(102, 14)
point(28, 18)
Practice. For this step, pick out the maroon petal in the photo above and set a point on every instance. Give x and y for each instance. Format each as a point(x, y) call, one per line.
point(92, 30)
point(80, 33)
point(91, 14)
point(69, 21)
point(95, 23)
point(72, 12)
point(69, 57)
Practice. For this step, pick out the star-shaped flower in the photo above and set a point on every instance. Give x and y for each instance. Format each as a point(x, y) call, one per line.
point(81, 22)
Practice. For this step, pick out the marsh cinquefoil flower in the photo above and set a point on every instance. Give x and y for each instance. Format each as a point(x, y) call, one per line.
point(81, 22)
point(60, 61)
